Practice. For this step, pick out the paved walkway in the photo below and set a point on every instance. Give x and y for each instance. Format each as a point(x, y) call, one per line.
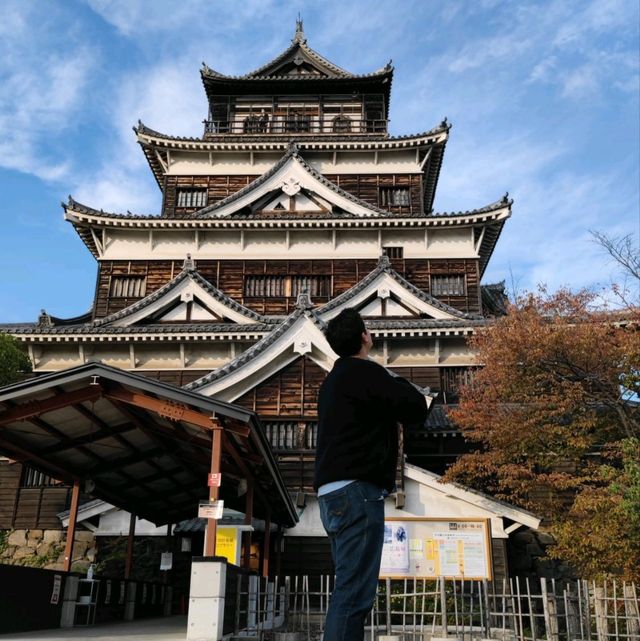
point(165, 629)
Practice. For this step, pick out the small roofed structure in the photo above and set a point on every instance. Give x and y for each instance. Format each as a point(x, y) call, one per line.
point(142, 445)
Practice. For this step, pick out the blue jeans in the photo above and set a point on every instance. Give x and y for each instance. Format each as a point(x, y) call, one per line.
point(354, 520)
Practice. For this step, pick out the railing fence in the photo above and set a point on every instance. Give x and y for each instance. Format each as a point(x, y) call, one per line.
point(412, 609)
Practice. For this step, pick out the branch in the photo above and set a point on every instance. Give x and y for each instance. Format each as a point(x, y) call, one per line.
point(621, 249)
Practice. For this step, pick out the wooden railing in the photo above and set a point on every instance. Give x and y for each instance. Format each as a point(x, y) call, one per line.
point(287, 125)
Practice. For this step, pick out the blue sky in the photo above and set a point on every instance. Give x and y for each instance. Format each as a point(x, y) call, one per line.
point(543, 97)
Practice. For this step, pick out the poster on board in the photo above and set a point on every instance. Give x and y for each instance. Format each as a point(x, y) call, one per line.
point(431, 548)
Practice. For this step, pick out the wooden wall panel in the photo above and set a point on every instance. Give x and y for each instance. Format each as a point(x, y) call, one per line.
point(228, 275)
point(367, 187)
point(218, 187)
point(290, 393)
point(9, 482)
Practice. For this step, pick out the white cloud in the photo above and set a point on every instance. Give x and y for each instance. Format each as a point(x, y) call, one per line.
point(40, 91)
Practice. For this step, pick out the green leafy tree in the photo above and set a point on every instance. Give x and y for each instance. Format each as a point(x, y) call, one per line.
point(14, 363)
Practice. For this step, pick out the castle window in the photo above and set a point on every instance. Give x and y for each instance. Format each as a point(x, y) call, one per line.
point(395, 197)
point(33, 478)
point(342, 124)
point(264, 286)
point(393, 252)
point(128, 286)
point(192, 197)
point(447, 285)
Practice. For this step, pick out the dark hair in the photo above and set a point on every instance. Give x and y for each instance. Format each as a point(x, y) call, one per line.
point(344, 332)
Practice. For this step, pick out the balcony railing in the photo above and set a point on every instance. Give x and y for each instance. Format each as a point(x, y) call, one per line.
point(288, 125)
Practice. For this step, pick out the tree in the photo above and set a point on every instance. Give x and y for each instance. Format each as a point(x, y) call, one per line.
point(554, 410)
point(14, 363)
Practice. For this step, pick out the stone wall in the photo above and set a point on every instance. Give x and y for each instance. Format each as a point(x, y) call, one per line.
point(45, 549)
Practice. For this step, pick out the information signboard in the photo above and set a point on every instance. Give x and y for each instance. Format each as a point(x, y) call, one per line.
point(430, 548)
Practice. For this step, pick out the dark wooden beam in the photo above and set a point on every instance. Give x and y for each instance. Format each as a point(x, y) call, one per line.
point(35, 408)
point(130, 540)
point(116, 464)
point(86, 439)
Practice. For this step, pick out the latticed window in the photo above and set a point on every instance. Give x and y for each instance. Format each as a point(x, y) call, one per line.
point(291, 435)
point(33, 478)
point(265, 286)
point(395, 197)
point(128, 286)
point(393, 252)
point(192, 197)
point(447, 285)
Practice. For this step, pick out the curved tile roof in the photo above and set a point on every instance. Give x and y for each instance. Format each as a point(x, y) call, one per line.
point(302, 309)
point(298, 46)
point(188, 272)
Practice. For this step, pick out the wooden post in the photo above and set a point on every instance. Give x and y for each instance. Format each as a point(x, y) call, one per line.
point(632, 612)
point(128, 564)
point(214, 492)
point(71, 528)
point(248, 519)
point(600, 606)
point(267, 545)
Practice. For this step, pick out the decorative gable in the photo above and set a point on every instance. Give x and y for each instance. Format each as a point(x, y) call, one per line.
point(291, 185)
point(300, 334)
point(385, 294)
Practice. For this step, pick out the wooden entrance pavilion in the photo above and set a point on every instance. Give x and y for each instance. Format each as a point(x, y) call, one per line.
point(144, 446)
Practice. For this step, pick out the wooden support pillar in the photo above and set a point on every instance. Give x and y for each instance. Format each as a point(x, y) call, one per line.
point(214, 492)
point(267, 544)
point(128, 564)
point(165, 574)
point(71, 528)
point(248, 519)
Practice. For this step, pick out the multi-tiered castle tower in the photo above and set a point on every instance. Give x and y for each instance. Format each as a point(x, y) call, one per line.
point(295, 203)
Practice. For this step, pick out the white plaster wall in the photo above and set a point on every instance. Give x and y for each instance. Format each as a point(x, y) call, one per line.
point(451, 243)
point(266, 243)
point(202, 163)
point(420, 501)
point(454, 351)
point(412, 351)
point(116, 523)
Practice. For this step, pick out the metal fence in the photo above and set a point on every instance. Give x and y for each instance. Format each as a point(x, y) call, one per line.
point(411, 609)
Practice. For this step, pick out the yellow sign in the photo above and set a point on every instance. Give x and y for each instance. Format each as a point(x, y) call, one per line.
point(227, 544)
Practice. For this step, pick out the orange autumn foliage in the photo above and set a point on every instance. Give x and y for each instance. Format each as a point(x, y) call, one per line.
point(550, 417)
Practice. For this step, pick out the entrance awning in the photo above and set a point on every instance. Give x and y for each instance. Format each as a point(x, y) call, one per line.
point(140, 444)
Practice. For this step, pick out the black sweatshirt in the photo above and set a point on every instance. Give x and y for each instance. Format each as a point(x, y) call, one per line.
point(359, 406)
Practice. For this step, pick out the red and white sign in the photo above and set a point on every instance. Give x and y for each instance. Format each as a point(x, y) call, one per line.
point(214, 480)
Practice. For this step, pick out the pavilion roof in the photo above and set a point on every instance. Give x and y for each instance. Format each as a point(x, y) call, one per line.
point(146, 445)
point(297, 54)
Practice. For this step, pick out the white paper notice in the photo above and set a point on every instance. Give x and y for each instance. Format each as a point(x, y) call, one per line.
point(395, 550)
point(416, 549)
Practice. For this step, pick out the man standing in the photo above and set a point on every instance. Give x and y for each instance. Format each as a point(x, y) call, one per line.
point(359, 406)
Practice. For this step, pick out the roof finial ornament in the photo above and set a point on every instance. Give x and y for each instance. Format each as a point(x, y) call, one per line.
point(44, 320)
point(303, 301)
point(299, 34)
point(188, 264)
point(505, 198)
point(384, 262)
